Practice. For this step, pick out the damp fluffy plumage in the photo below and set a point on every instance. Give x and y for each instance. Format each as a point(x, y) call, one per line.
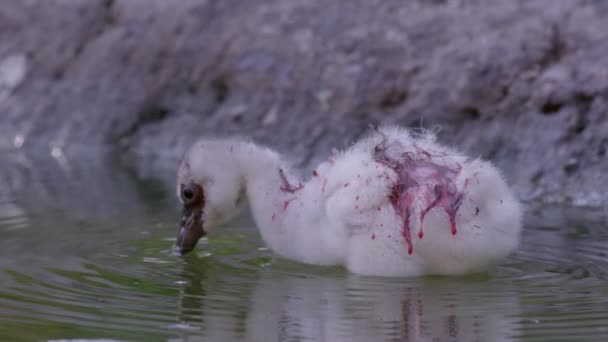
point(393, 204)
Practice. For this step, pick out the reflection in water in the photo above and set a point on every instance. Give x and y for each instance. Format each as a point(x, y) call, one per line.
point(12, 216)
point(364, 309)
point(85, 253)
point(285, 306)
point(92, 188)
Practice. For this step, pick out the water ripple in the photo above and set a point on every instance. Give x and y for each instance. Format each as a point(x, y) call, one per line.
point(84, 276)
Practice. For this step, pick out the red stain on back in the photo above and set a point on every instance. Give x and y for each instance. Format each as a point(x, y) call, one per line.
point(286, 203)
point(423, 184)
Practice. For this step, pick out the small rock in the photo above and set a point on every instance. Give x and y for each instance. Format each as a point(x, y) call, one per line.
point(324, 96)
point(236, 112)
point(271, 116)
point(12, 71)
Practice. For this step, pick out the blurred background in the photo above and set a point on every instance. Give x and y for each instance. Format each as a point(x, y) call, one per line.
point(100, 98)
point(522, 83)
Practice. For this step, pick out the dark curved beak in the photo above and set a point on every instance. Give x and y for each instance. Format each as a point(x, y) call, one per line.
point(191, 230)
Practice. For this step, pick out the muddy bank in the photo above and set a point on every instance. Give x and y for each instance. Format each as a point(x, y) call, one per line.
point(523, 83)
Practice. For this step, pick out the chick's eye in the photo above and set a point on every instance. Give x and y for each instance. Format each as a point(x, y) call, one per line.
point(189, 193)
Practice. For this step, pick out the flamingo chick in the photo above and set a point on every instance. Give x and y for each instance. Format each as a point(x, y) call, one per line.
point(393, 204)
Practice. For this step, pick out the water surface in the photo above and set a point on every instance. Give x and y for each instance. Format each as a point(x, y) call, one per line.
point(85, 254)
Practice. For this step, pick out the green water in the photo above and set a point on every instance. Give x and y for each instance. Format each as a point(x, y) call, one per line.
point(85, 253)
